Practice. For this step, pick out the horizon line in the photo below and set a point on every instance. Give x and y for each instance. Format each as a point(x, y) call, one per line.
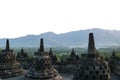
point(55, 33)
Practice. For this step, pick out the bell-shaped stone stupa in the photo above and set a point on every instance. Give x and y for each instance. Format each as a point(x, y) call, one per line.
point(91, 66)
point(41, 68)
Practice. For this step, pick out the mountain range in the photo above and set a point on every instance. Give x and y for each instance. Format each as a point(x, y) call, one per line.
point(103, 38)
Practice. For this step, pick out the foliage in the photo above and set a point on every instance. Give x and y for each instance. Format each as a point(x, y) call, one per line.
point(63, 53)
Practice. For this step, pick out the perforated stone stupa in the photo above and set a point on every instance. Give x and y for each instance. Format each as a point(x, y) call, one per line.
point(73, 58)
point(9, 67)
point(23, 58)
point(52, 56)
point(91, 66)
point(41, 68)
point(114, 62)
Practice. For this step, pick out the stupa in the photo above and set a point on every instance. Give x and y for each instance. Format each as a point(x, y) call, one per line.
point(23, 58)
point(70, 64)
point(9, 67)
point(41, 68)
point(91, 66)
point(73, 58)
point(114, 62)
point(53, 56)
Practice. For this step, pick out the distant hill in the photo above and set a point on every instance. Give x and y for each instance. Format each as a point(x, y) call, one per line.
point(103, 38)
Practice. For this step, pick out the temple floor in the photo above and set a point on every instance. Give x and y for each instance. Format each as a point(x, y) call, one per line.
point(65, 76)
point(70, 76)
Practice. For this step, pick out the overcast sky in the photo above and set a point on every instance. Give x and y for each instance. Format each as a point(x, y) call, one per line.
point(22, 17)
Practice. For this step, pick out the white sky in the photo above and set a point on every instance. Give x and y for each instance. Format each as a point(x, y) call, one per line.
point(22, 17)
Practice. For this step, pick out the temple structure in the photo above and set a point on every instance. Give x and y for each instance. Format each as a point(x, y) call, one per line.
point(91, 66)
point(53, 56)
point(114, 62)
point(9, 67)
point(73, 58)
point(41, 68)
point(70, 64)
point(23, 58)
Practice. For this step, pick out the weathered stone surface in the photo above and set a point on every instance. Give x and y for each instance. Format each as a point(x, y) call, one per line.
point(91, 65)
point(23, 59)
point(9, 67)
point(41, 68)
point(53, 57)
point(114, 62)
point(70, 64)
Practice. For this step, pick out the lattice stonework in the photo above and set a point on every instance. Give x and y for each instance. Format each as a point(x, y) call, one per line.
point(9, 67)
point(91, 65)
point(41, 68)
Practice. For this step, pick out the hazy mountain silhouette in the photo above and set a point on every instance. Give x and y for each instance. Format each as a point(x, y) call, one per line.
point(103, 38)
